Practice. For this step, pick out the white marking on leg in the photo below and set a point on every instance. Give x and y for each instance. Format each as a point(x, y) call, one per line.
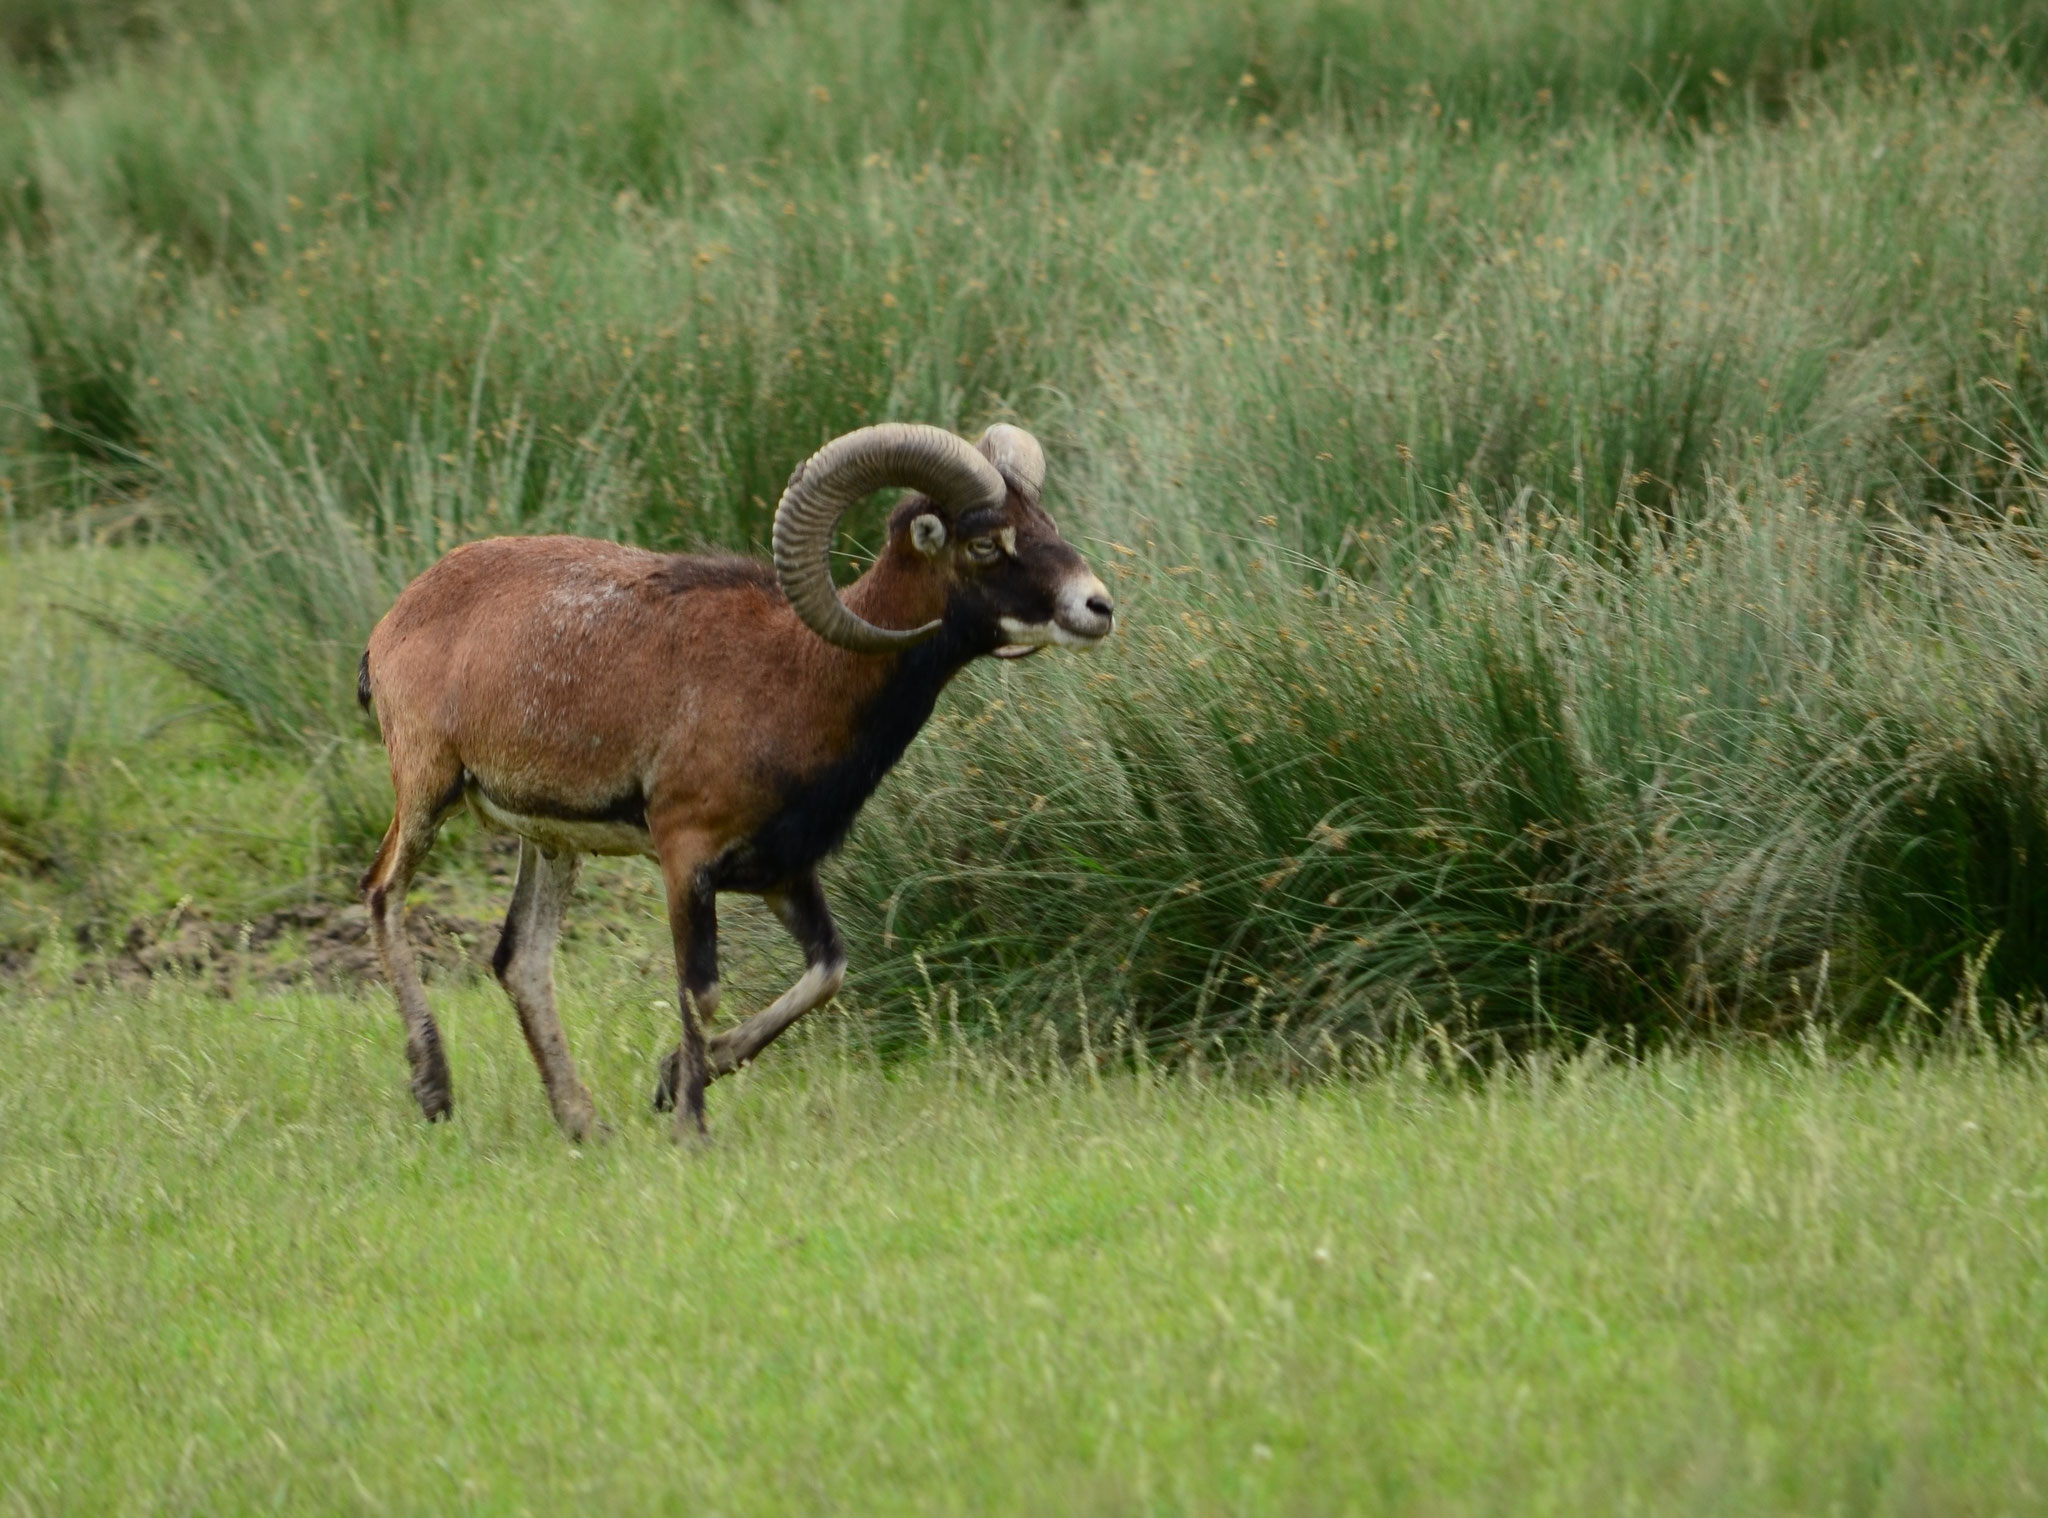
point(738, 1045)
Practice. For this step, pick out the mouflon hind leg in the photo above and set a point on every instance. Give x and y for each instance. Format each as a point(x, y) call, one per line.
point(700, 984)
point(524, 964)
point(801, 906)
point(384, 885)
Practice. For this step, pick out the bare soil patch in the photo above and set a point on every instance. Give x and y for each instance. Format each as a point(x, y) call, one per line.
point(324, 943)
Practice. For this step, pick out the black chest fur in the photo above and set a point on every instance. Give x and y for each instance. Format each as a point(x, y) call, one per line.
point(817, 812)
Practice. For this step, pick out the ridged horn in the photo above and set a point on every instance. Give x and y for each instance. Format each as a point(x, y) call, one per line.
point(848, 470)
point(1016, 453)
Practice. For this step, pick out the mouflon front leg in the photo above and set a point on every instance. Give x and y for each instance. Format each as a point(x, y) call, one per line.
point(801, 906)
point(683, 858)
point(700, 984)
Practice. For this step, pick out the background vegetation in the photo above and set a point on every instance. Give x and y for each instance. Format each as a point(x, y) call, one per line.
point(1572, 471)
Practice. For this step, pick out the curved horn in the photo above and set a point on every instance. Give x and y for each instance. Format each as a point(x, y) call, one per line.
point(1017, 455)
point(847, 470)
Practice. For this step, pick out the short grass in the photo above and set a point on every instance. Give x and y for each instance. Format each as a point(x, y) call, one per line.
point(236, 1274)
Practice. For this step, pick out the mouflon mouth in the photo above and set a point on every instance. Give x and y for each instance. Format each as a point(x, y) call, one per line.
point(1079, 626)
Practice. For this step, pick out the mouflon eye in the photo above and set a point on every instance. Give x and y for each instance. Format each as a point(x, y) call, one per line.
point(982, 550)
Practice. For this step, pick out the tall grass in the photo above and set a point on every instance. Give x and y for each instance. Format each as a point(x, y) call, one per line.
point(1356, 322)
point(53, 685)
point(247, 146)
point(1511, 791)
point(1581, 559)
point(121, 789)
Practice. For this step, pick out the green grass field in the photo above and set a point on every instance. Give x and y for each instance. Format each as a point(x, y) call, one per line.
point(1515, 982)
point(240, 1276)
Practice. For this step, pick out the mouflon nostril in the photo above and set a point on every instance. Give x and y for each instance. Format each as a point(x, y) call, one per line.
point(1101, 606)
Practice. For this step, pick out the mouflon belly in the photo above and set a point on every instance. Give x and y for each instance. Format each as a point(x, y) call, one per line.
point(619, 828)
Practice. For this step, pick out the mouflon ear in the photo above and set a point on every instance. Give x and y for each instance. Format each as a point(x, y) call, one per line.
point(927, 534)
